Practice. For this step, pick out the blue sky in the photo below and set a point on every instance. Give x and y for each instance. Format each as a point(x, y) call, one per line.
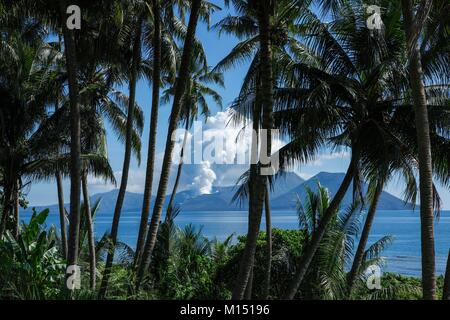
point(216, 48)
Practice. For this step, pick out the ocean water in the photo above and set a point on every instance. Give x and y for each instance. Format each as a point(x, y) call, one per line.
point(403, 256)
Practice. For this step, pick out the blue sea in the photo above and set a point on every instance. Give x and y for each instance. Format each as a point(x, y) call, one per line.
point(403, 256)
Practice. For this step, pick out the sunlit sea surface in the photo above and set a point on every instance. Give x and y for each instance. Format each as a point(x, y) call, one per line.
point(403, 256)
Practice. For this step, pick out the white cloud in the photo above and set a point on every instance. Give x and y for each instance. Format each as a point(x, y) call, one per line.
point(225, 143)
point(325, 157)
point(203, 183)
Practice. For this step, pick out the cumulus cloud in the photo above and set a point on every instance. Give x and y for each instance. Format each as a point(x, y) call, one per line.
point(219, 141)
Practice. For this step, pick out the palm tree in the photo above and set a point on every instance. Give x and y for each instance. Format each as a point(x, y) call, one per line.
point(326, 276)
point(25, 91)
point(188, 50)
point(56, 55)
point(53, 15)
point(240, 196)
point(166, 29)
point(16, 209)
point(264, 32)
point(359, 255)
point(90, 250)
point(268, 244)
point(99, 72)
point(62, 214)
point(389, 161)
point(172, 29)
point(156, 79)
point(414, 24)
point(90, 229)
point(380, 94)
point(75, 144)
point(257, 183)
point(260, 14)
point(314, 244)
point(94, 156)
point(62, 209)
point(133, 78)
point(194, 103)
point(100, 101)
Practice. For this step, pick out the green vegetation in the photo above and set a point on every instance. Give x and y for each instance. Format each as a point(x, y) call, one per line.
point(186, 266)
point(317, 71)
point(32, 266)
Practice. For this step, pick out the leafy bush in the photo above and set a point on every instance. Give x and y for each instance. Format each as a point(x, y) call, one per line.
point(186, 265)
point(286, 252)
point(31, 266)
point(398, 287)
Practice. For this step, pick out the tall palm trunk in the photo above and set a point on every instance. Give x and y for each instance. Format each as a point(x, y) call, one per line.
point(16, 210)
point(127, 158)
point(180, 169)
point(314, 243)
point(10, 204)
point(413, 30)
point(247, 259)
point(5, 213)
point(7, 205)
point(268, 244)
point(62, 213)
point(180, 88)
point(359, 255)
point(156, 77)
point(258, 182)
point(75, 141)
point(60, 190)
point(90, 230)
point(249, 289)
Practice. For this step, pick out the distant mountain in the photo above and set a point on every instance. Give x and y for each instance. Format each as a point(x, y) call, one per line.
point(132, 201)
point(189, 200)
point(332, 182)
point(284, 194)
point(221, 197)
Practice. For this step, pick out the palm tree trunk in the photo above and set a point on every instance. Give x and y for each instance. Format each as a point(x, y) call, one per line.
point(359, 255)
point(258, 182)
point(62, 214)
point(446, 291)
point(8, 203)
point(60, 190)
point(75, 141)
point(268, 244)
point(90, 230)
point(7, 207)
point(180, 87)
point(156, 77)
point(16, 210)
point(424, 148)
point(254, 222)
point(249, 289)
point(127, 158)
point(314, 243)
point(180, 169)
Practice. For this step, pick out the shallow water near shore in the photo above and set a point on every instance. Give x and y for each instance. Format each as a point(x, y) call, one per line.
point(403, 256)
